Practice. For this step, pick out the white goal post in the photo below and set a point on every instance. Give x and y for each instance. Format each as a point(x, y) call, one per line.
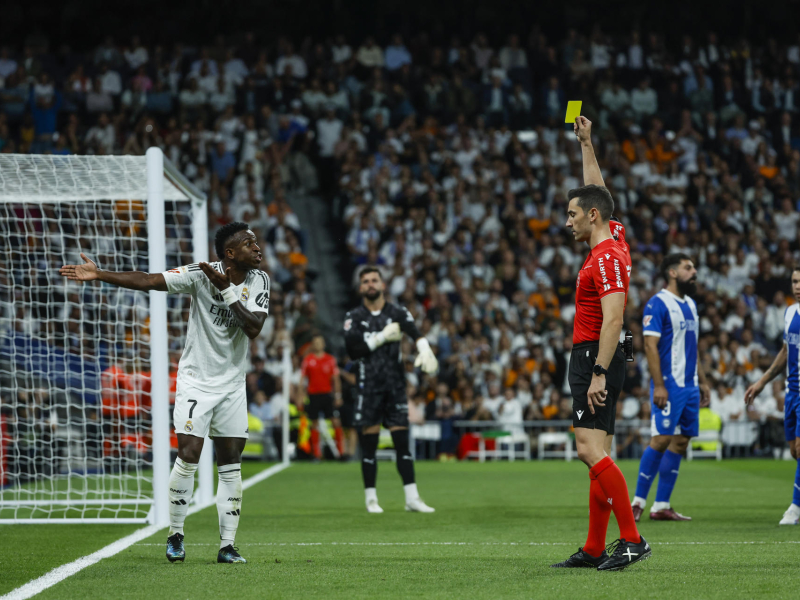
point(81, 439)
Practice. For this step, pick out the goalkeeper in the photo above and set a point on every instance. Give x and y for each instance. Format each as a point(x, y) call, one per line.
point(372, 333)
point(230, 301)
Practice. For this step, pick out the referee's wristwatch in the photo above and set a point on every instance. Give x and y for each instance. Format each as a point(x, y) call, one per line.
point(599, 370)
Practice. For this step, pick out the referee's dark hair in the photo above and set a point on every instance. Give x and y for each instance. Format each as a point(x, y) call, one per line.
point(594, 196)
point(670, 261)
point(224, 234)
point(370, 269)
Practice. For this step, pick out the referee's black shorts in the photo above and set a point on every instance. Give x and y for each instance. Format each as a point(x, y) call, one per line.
point(581, 364)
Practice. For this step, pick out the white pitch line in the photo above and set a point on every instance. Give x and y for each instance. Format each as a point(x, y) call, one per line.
point(59, 574)
point(480, 544)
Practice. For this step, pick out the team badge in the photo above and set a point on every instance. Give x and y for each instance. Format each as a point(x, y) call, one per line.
point(647, 319)
point(245, 294)
point(188, 427)
point(666, 422)
point(348, 324)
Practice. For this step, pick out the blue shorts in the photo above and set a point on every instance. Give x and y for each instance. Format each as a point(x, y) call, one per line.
point(682, 410)
point(791, 415)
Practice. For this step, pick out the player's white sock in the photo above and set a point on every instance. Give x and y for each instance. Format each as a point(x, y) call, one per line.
point(639, 501)
point(411, 492)
point(181, 487)
point(657, 506)
point(229, 502)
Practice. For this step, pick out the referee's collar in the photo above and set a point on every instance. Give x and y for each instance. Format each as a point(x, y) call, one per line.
point(599, 248)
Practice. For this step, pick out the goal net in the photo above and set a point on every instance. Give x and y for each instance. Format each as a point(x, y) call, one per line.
point(86, 370)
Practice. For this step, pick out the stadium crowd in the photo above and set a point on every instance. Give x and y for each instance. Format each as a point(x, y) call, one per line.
point(448, 165)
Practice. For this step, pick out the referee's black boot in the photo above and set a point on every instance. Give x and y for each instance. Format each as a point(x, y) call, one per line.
point(624, 554)
point(581, 560)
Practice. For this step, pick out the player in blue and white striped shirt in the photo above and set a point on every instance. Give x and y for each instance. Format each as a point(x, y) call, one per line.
point(678, 386)
point(789, 356)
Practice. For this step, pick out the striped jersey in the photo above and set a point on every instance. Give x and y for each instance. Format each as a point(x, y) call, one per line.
point(674, 320)
point(215, 355)
point(791, 337)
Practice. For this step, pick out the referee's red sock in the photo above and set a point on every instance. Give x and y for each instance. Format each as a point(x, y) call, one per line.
point(599, 514)
point(613, 483)
point(315, 449)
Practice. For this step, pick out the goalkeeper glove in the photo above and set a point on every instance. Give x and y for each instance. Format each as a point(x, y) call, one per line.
point(390, 333)
point(425, 357)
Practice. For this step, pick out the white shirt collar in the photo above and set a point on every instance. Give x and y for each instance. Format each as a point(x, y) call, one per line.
point(678, 298)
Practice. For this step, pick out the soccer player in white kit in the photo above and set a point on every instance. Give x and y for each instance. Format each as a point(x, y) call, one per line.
point(230, 302)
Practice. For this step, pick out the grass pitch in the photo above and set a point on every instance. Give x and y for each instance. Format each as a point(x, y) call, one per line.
point(497, 528)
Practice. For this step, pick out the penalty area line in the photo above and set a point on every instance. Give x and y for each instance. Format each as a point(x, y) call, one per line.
point(38, 585)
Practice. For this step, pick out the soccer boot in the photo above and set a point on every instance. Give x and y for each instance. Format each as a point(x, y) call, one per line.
point(581, 560)
point(623, 554)
point(637, 512)
point(418, 505)
point(668, 514)
point(791, 516)
point(229, 554)
point(373, 506)
point(175, 551)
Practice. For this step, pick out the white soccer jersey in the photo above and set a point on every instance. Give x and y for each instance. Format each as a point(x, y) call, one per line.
point(216, 346)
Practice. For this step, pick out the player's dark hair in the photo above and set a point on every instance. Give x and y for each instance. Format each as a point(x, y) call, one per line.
point(795, 267)
point(368, 270)
point(594, 196)
point(670, 261)
point(224, 234)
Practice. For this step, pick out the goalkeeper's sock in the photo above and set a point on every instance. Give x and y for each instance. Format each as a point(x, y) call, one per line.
point(648, 468)
point(181, 487)
point(667, 476)
point(405, 462)
point(599, 514)
point(229, 502)
point(369, 466)
point(796, 496)
point(613, 483)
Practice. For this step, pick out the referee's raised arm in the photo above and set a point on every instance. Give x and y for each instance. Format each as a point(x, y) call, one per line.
point(597, 365)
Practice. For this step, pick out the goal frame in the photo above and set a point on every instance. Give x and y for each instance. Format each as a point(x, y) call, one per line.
point(159, 169)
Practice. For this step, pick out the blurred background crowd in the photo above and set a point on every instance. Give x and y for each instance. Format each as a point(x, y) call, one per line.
point(444, 160)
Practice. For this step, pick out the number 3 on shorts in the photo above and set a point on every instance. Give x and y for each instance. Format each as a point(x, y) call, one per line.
point(191, 410)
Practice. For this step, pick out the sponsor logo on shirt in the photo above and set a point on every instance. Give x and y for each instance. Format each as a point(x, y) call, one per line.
point(618, 274)
point(601, 265)
point(647, 319)
point(792, 339)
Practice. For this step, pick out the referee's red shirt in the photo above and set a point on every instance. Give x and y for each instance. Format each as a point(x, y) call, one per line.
point(320, 371)
point(606, 271)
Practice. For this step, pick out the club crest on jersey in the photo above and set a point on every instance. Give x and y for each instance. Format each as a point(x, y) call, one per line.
point(647, 319)
point(188, 427)
point(348, 324)
point(245, 294)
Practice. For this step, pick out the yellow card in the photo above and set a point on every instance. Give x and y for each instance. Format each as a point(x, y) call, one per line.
point(573, 111)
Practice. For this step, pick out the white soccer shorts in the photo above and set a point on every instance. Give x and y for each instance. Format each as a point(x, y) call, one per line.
point(216, 414)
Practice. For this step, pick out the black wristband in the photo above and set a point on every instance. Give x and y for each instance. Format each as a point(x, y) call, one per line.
point(599, 370)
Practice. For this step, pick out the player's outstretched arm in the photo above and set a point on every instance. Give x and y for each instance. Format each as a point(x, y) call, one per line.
point(591, 170)
point(132, 280)
point(777, 368)
point(250, 322)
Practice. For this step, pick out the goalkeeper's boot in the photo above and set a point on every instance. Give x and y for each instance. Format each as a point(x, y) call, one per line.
point(418, 505)
point(581, 560)
point(229, 554)
point(175, 551)
point(791, 516)
point(624, 554)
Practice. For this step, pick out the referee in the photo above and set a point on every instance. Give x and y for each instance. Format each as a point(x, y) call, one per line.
point(597, 366)
point(372, 334)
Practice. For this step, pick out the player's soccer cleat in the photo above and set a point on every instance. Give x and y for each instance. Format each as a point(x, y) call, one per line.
point(637, 512)
point(229, 554)
point(419, 506)
point(581, 560)
point(668, 514)
point(373, 507)
point(175, 551)
point(791, 516)
point(623, 554)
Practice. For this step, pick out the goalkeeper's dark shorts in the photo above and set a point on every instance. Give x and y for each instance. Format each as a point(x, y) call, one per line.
point(382, 407)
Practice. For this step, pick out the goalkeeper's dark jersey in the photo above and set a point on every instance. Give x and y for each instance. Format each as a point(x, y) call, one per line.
point(381, 369)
